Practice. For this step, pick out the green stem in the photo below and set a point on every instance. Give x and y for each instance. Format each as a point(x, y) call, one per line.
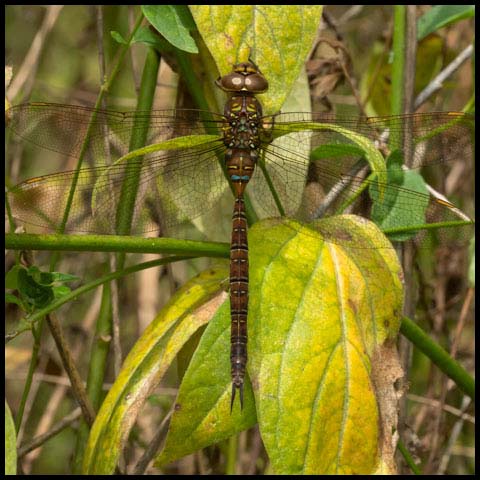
point(438, 356)
point(428, 226)
point(114, 243)
point(408, 458)
point(97, 367)
point(138, 139)
point(28, 381)
point(231, 466)
point(398, 65)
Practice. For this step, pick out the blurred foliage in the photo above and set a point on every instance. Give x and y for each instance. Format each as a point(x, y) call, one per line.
point(67, 71)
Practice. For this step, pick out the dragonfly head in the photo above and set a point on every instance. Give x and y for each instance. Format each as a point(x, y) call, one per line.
point(245, 77)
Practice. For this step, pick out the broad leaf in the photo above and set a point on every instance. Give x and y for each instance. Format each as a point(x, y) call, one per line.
point(174, 23)
point(318, 312)
point(441, 15)
point(278, 38)
point(192, 306)
point(202, 412)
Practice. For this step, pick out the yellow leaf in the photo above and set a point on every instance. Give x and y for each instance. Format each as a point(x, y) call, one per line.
point(323, 303)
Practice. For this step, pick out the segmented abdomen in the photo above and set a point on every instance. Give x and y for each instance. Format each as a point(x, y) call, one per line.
point(238, 297)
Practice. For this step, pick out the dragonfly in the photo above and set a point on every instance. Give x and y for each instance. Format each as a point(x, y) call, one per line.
point(266, 163)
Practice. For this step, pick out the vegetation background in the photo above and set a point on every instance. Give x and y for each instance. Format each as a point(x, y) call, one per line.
point(53, 54)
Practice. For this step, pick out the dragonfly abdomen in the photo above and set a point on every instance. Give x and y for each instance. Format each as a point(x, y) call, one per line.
point(238, 297)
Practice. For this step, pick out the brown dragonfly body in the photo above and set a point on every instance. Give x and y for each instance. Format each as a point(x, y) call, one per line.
point(294, 151)
point(243, 114)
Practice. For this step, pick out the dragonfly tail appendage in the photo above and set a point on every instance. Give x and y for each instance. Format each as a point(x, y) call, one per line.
point(234, 391)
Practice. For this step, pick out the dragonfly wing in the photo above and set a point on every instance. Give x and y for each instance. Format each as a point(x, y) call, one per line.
point(63, 128)
point(172, 186)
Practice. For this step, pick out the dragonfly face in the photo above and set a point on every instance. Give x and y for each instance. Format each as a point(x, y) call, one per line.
point(245, 77)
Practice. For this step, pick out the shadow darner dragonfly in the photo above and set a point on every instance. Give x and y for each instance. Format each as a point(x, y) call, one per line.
point(201, 155)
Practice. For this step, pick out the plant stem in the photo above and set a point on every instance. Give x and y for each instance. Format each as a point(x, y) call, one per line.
point(438, 356)
point(114, 243)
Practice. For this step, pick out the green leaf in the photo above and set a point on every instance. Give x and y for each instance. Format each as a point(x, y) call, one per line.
point(118, 37)
point(36, 288)
point(61, 291)
point(202, 412)
point(60, 277)
point(32, 292)
point(335, 150)
point(389, 210)
point(364, 144)
point(441, 15)
point(319, 309)
point(277, 37)
point(190, 308)
point(178, 143)
point(146, 36)
point(10, 298)
point(11, 278)
point(10, 443)
point(174, 23)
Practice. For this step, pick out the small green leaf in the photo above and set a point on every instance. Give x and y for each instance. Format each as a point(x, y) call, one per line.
point(174, 23)
point(145, 35)
point(64, 277)
point(35, 294)
point(11, 278)
point(441, 15)
point(10, 443)
point(389, 210)
point(61, 291)
point(118, 37)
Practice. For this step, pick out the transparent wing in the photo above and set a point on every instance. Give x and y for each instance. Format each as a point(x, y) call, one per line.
point(323, 181)
point(173, 186)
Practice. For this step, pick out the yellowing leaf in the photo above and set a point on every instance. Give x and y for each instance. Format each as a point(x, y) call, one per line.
point(202, 413)
point(10, 443)
point(278, 37)
point(321, 307)
point(191, 307)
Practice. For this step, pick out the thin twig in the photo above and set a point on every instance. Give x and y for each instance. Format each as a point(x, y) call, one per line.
point(117, 347)
point(57, 428)
point(461, 322)
point(437, 83)
point(26, 73)
point(153, 447)
point(69, 365)
point(433, 403)
point(452, 438)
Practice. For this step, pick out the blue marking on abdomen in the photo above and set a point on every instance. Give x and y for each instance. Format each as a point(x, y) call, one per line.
point(236, 178)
